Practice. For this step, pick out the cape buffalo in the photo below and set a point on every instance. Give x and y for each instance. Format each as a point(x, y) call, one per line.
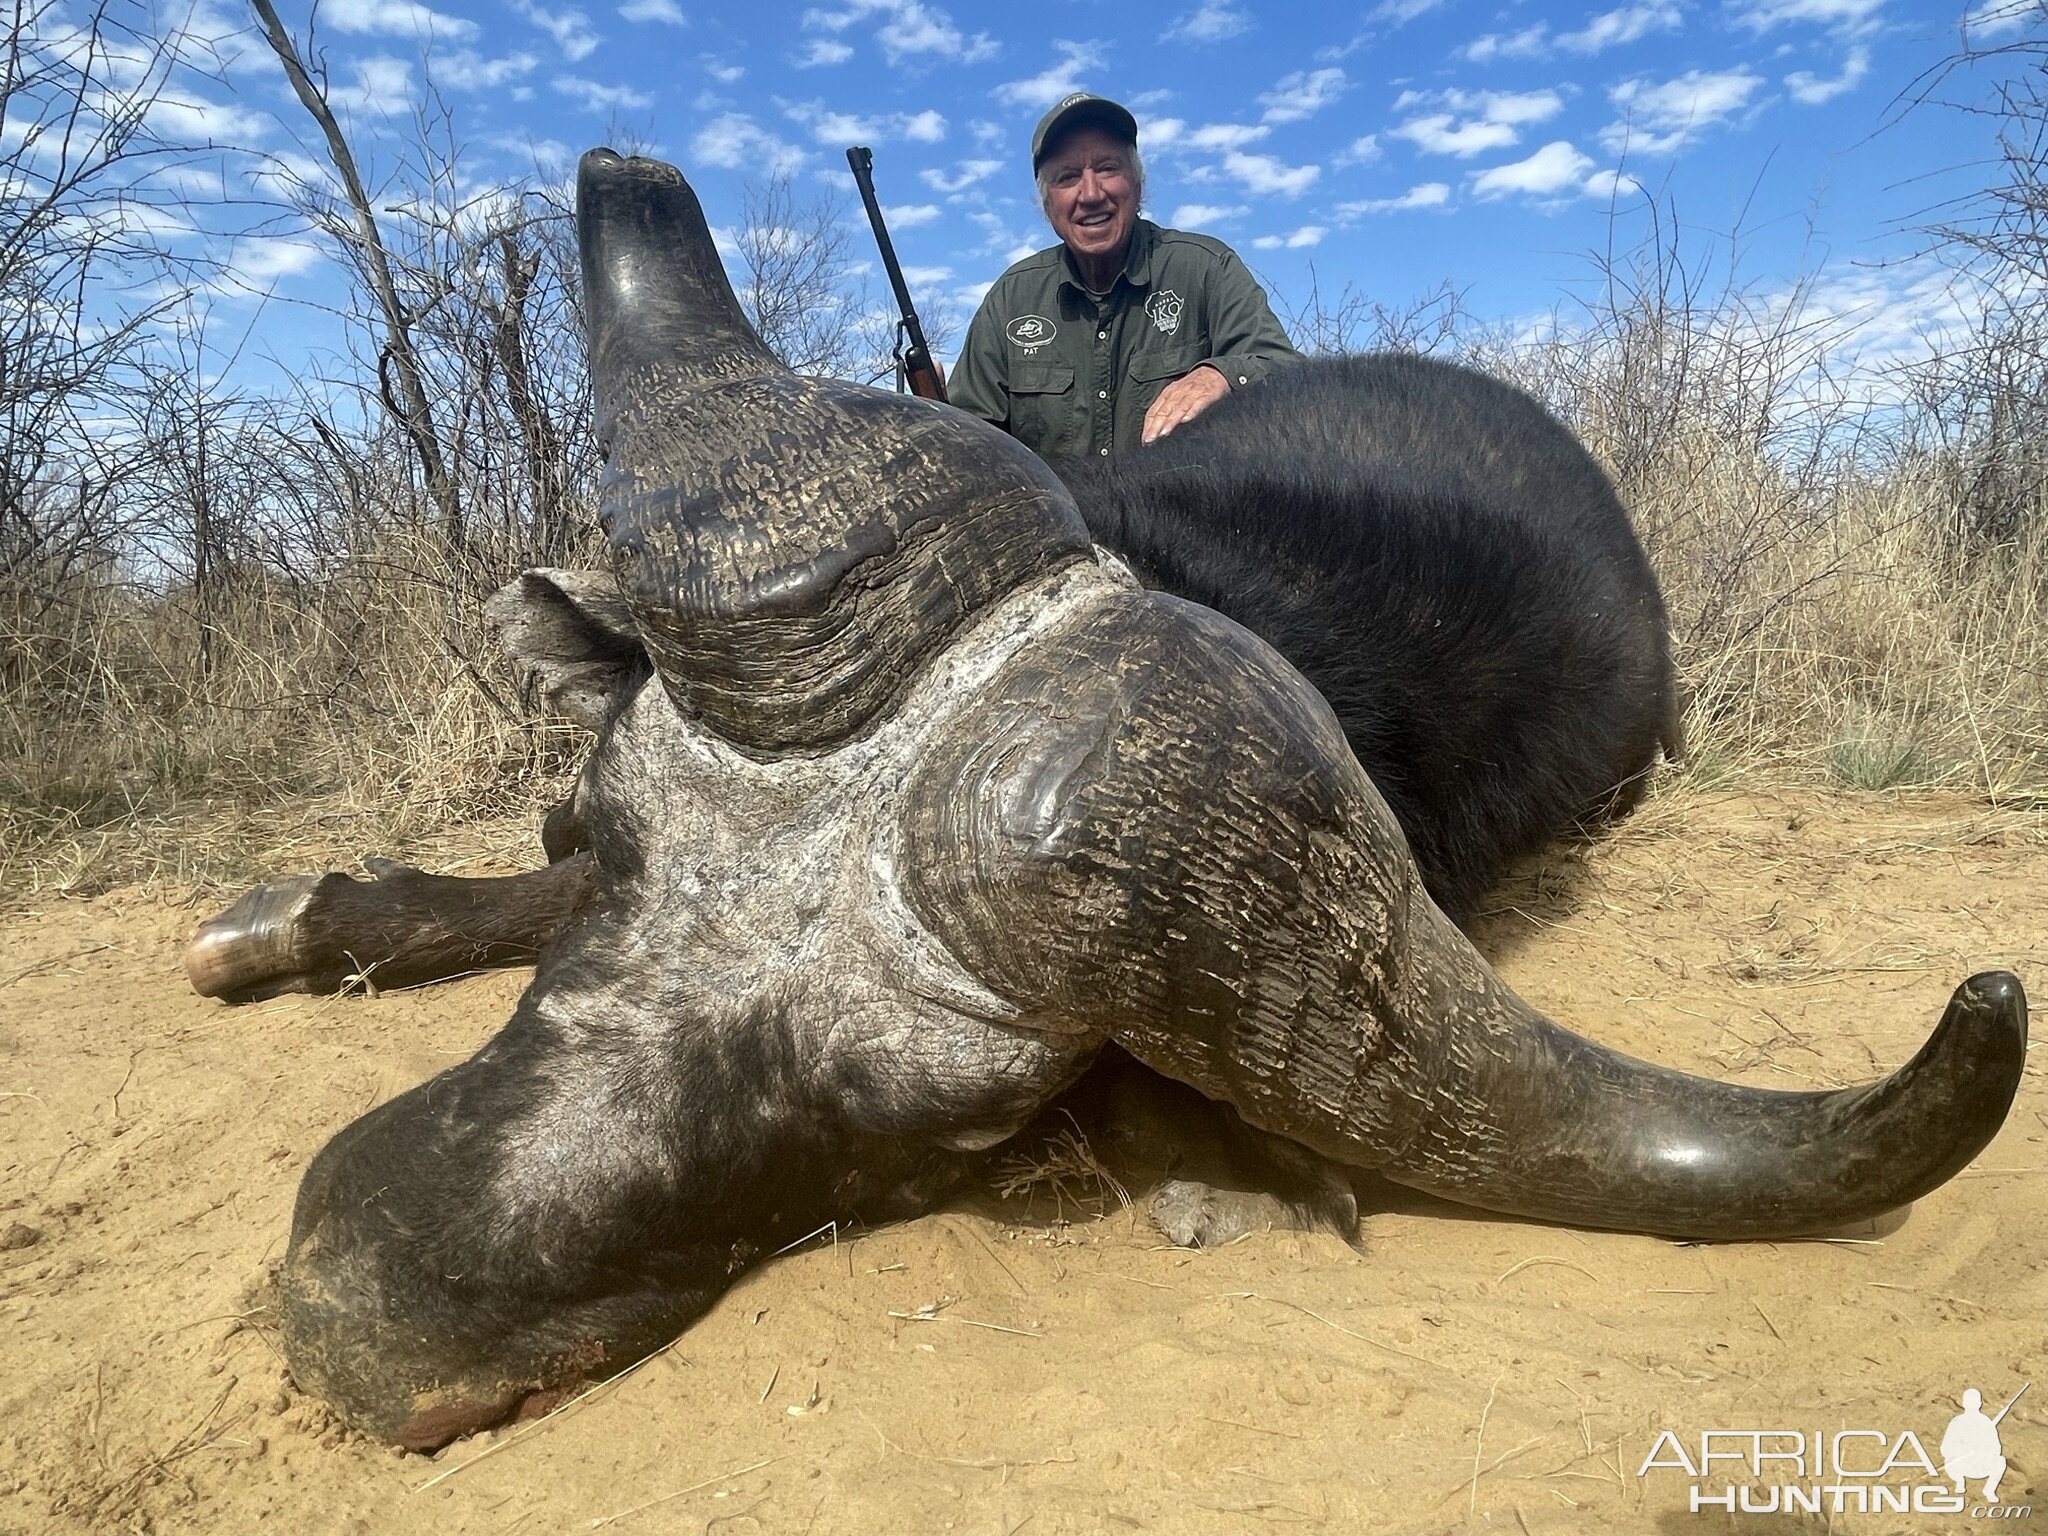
point(903, 805)
point(1427, 546)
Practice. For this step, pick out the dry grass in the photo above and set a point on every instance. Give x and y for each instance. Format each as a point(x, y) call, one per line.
point(1066, 1169)
point(349, 716)
point(1865, 650)
point(1858, 646)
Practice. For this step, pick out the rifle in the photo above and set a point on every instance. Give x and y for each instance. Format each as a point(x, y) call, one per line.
point(914, 363)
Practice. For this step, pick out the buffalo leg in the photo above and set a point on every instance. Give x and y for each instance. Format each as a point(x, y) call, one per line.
point(1213, 1177)
point(399, 928)
point(1274, 1185)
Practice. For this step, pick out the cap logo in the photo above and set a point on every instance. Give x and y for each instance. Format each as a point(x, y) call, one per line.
point(1031, 332)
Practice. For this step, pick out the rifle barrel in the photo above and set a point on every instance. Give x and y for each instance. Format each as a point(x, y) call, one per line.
point(861, 160)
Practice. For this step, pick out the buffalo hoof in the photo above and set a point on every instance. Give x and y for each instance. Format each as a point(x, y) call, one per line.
point(1196, 1215)
point(401, 927)
point(255, 949)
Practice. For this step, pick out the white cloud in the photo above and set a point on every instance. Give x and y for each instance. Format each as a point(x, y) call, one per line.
point(926, 277)
point(464, 69)
point(1302, 94)
point(967, 175)
point(1362, 151)
point(1519, 108)
point(1438, 134)
point(1158, 132)
point(1997, 18)
point(1611, 29)
point(126, 218)
point(654, 10)
point(1658, 119)
point(102, 54)
point(1400, 12)
point(381, 84)
point(400, 16)
point(1477, 121)
point(550, 157)
point(255, 266)
point(910, 216)
point(593, 97)
point(1302, 238)
point(1430, 194)
point(1611, 186)
point(1210, 22)
point(1212, 136)
point(1811, 90)
point(1041, 90)
point(1263, 173)
point(908, 28)
point(1766, 14)
point(820, 52)
point(1193, 215)
point(289, 174)
point(840, 128)
point(190, 120)
point(570, 29)
point(734, 142)
point(1550, 170)
point(1529, 43)
point(726, 74)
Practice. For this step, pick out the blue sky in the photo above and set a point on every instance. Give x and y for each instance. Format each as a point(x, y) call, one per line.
point(1389, 147)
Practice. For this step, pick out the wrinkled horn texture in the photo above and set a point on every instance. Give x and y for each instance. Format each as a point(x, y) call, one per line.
point(796, 549)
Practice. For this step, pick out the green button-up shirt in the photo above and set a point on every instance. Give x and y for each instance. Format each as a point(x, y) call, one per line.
point(1071, 375)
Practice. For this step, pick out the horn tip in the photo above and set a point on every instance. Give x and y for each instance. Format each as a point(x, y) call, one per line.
point(1996, 1005)
point(608, 162)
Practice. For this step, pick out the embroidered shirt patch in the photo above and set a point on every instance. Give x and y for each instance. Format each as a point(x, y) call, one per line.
point(1031, 332)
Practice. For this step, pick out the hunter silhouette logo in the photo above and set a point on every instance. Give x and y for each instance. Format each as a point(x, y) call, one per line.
point(1164, 307)
point(1868, 1471)
point(1031, 332)
point(1970, 1448)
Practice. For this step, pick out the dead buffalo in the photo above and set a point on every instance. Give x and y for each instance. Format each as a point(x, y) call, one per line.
point(921, 805)
point(1427, 546)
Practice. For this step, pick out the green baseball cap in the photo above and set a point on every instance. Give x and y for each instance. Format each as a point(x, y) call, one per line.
point(1081, 110)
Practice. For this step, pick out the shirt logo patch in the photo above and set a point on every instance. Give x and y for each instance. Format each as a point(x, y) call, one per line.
point(1031, 332)
point(1164, 307)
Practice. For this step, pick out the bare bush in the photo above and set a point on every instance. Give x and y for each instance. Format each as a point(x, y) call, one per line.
point(84, 207)
point(1983, 398)
point(1435, 323)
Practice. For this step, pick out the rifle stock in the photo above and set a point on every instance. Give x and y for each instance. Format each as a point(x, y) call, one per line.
point(914, 357)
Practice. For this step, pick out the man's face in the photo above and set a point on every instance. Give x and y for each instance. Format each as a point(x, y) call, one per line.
point(1090, 197)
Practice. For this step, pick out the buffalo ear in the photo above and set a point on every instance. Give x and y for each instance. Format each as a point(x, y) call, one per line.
point(572, 643)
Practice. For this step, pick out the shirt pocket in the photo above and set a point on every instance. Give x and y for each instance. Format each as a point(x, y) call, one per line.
point(1151, 372)
point(1045, 414)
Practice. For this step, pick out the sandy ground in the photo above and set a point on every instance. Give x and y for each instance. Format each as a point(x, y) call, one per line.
point(996, 1368)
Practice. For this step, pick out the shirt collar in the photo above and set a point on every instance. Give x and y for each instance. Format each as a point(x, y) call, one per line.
point(1137, 260)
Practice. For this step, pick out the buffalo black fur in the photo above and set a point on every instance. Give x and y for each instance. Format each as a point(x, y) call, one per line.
point(1447, 564)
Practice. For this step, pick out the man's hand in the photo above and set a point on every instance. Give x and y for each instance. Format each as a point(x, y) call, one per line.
point(1183, 400)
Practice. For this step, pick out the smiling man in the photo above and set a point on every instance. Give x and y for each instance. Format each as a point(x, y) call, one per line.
point(1121, 332)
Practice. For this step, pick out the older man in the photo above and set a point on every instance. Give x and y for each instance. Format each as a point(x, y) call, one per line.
point(1121, 332)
